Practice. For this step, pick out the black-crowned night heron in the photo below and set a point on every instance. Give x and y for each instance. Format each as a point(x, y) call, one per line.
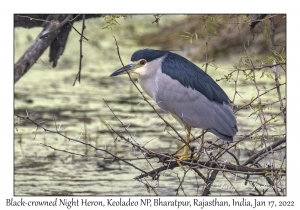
point(183, 89)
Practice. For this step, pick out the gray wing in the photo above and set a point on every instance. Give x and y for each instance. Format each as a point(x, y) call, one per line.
point(195, 109)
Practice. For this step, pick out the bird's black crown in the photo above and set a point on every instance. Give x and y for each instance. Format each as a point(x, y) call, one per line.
point(148, 54)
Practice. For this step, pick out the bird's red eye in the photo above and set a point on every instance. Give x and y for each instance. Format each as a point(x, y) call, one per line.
point(143, 62)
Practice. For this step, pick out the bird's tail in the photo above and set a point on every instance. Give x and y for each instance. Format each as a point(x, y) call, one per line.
point(220, 135)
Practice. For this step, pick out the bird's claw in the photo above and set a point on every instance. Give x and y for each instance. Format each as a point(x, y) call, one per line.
point(181, 157)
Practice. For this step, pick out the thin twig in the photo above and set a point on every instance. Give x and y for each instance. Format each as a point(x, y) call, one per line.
point(261, 114)
point(31, 18)
point(78, 75)
point(199, 173)
point(246, 105)
point(235, 83)
point(209, 183)
point(231, 184)
point(136, 145)
point(72, 153)
point(261, 152)
point(56, 28)
point(80, 142)
point(79, 33)
point(181, 182)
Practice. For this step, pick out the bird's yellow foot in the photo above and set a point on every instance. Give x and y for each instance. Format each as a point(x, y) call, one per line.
point(181, 157)
point(185, 153)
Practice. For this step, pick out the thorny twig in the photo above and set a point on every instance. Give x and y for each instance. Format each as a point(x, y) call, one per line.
point(261, 115)
point(78, 141)
point(253, 68)
point(254, 99)
point(127, 132)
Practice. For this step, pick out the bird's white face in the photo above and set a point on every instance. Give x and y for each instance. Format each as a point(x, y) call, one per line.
point(141, 68)
point(146, 69)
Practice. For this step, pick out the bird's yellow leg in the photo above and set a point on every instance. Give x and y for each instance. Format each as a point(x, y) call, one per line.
point(185, 153)
point(202, 144)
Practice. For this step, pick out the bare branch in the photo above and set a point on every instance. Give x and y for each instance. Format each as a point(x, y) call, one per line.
point(80, 49)
point(41, 43)
point(263, 151)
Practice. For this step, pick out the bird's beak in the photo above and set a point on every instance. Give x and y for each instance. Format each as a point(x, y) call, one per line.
point(128, 68)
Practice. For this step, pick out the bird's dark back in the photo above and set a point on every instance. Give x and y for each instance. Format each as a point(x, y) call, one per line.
point(190, 75)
